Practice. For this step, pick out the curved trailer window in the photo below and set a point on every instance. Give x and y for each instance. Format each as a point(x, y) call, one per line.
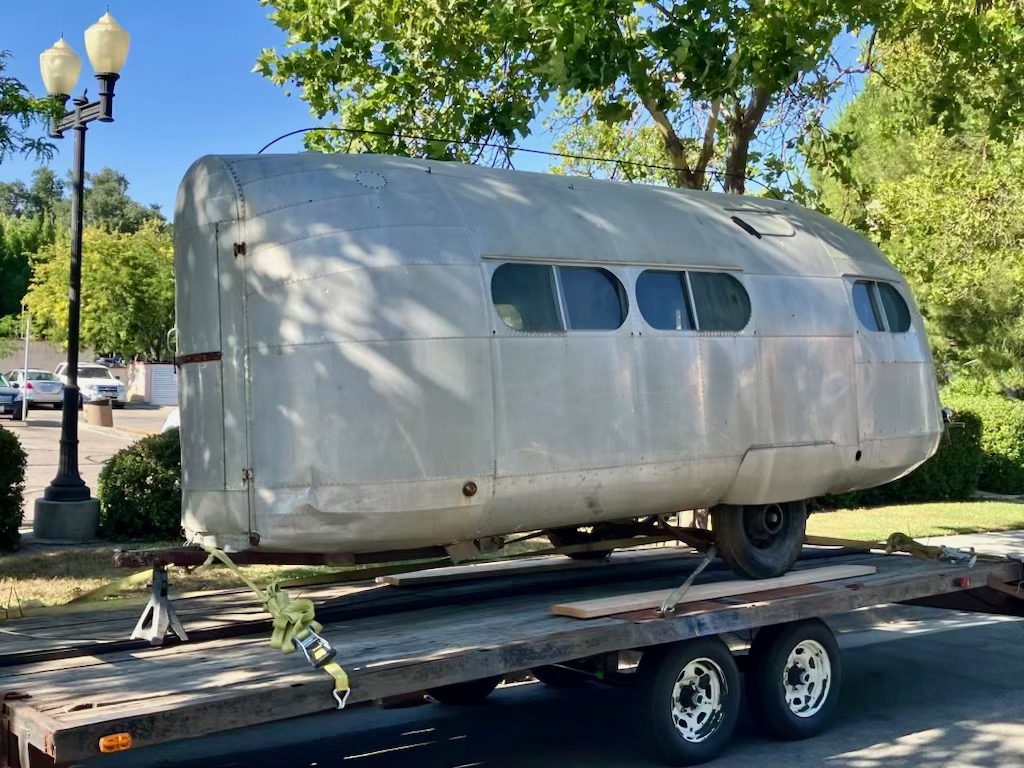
point(880, 307)
point(543, 298)
point(669, 301)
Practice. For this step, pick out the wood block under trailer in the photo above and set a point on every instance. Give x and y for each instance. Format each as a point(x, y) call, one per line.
point(441, 635)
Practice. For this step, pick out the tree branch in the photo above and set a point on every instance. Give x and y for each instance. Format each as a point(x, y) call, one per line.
point(674, 147)
point(758, 103)
point(664, 10)
point(708, 147)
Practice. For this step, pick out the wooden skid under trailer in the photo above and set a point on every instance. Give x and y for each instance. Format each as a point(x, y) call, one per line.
point(70, 678)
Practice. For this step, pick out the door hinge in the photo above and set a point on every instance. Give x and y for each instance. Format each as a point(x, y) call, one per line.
point(246, 474)
point(240, 249)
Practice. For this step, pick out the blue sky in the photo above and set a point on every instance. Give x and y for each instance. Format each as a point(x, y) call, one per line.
point(186, 90)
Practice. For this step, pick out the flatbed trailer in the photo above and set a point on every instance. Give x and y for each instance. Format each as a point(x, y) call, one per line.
point(69, 680)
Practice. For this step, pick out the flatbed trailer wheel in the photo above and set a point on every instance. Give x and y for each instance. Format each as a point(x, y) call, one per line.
point(793, 678)
point(465, 694)
point(760, 541)
point(687, 700)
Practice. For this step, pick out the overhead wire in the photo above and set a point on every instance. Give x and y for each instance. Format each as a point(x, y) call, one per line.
point(507, 149)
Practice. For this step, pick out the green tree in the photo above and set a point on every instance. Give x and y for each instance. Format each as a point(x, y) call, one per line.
point(19, 113)
point(106, 204)
point(707, 76)
point(127, 290)
point(933, 178)
point(955, 228)
point(19, 238)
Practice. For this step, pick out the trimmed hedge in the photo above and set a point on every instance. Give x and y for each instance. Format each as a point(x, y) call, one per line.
point(12, 483)
point(1002, 439)
point(140, 489)
point(952, 473)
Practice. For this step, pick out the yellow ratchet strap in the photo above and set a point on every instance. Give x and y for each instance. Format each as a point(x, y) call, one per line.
point(294, 627)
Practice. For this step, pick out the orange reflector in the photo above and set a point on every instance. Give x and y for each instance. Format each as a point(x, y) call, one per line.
point(115, 742)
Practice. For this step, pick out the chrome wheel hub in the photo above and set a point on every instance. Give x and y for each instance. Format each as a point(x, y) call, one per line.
point(697, 700)
point(807, 678)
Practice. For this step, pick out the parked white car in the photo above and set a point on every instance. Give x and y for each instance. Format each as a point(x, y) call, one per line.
point(40, 388)
point(10, 399)
point(96, 382)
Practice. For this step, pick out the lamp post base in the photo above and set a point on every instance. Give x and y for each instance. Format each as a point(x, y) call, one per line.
point(66, 522)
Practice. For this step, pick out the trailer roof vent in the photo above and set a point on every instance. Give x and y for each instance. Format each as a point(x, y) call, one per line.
point(762, 223)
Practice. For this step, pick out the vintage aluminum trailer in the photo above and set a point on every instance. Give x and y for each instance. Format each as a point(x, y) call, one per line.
point(382, 354)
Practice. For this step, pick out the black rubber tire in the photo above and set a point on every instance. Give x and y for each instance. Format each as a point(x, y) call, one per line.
point(117, 406)
point(17, 412)
point(655, 680)
point(56, 406)
point(569, 537)
point(757, 558)
point(766, 693)
point(559, 677)
point(465, 694)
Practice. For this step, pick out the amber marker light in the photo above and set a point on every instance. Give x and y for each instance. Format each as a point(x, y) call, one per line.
point(115, 742)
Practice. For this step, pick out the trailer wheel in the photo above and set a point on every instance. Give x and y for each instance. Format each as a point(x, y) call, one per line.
point(568, 537)
point(793, 678)
point(760, 541)
point(465, 694)
point(688, 698)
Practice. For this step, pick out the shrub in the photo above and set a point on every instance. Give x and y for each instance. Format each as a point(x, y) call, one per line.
point(1002, 439)
point(952, 473)
point(140, 489)
point(12, 482)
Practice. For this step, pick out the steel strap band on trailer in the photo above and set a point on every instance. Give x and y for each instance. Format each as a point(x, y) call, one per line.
point(295, 627)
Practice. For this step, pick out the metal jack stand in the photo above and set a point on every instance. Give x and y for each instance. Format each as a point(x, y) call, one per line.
point(160, 612)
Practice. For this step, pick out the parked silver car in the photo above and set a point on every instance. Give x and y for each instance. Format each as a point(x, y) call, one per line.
point(40, 388)
point(10, 399)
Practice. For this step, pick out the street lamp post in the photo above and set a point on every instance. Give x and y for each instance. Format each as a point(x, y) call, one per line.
point(67, 511)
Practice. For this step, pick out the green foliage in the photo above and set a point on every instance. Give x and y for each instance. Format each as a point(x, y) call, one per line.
point(703, 74)
point(127, 290)
point(12, 482)
point(955, 229)
point(1002, 439)
point(140, 489)
point(951, 474)
point(19, 113)
point(106, 204)
point(19, 238)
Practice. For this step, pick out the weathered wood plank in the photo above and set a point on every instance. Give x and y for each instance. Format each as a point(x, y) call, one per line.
point(609, 606)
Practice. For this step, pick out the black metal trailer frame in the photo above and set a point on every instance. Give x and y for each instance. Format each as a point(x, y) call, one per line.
point(69, 679)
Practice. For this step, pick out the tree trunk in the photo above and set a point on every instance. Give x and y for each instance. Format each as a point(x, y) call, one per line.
point(742, 126)
point(736, 153)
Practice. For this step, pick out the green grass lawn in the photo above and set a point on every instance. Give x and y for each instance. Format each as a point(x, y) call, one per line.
point(918, 520)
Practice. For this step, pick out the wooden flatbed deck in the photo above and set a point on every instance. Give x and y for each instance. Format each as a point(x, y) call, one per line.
point(82, 680)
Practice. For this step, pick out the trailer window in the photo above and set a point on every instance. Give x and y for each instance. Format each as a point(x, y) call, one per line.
point(880, 307)
point(664, 301)
point(721, 301)
point(897, 314)
point(594, 298)
point(864, 302)
point(524, 296)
